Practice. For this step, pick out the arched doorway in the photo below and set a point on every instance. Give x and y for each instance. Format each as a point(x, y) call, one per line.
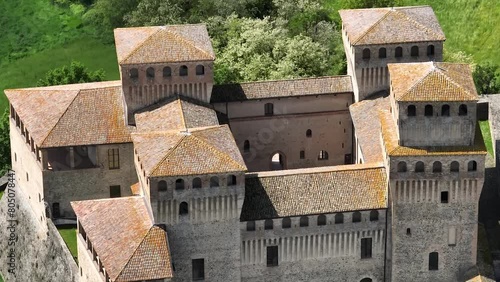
point(278, 161)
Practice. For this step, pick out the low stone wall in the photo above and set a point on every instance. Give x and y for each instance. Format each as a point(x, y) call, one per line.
point(40, 253)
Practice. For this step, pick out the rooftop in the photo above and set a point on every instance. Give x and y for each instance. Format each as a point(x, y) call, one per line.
point(72, 115)
point(163, 44)
point(123, 236)
point(432, 81)
point(391, 25)
point(281, 88)
point(194, 152)
point(176, 113)
point(310, 191)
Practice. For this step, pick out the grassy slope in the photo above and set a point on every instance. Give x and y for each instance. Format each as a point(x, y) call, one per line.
point(485, 130)
point(68, 233)
point(469, 25)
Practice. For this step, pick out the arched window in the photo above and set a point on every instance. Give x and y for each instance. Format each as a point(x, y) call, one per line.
point(399, 52)
point(455, 166)
point(246, 146)
point(366, 53)
point(366, 280)
point(304, 221)
point(162, 186)
point(430, 50)
point(339, 218)
point(286, 222)
point(402, 167)
point(179, 184)
point(382, 53)
point(231, 180)
point(408, 231)
point(437, 167)
point(278, 161)
point(419, 167)
point(462, 110)
point(183, 71)
point(323, 155)
point(200, 70)
point(472, 166)
point(356, 216)
point(183, 208)
point(214, 181)
point(321, 219)
point(428, 111)
point(268, 224)
point(433, 261)
point(373, 215)
point(134, 73)
point(197, 182)
point(150, 72)
point(250, 225)
point(445, 110)
point(269, 109)
point(414, 51)
point(309, 133)
point(167, 72)
point(411, 111)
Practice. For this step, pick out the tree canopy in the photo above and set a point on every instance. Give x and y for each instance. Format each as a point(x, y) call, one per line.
point(76, 72)
point(4, 143)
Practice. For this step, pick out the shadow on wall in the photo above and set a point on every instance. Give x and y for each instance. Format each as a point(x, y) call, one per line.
point(257, 204)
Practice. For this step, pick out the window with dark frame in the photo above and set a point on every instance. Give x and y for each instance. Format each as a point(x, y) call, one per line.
point(269, 109)
point(272, 256)
point(286, 223)
point(198, 269)
point(444, 197)
point(366, 248)
point(433, 261)
point(114, 158)
point(302, 154)
point(115, 191)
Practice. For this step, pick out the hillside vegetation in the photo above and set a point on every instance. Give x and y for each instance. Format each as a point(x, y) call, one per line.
point(40, 35)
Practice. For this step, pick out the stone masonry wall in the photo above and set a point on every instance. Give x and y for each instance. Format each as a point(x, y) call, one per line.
point(40, 252)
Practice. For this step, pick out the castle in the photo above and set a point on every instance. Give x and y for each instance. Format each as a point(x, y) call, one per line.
point(372, 176)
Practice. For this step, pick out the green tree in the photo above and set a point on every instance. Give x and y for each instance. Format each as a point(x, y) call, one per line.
point(356, 4)
point(105, 15)
point(155, 12)
point(76, 72)
point(487, 79)
point(4, 143)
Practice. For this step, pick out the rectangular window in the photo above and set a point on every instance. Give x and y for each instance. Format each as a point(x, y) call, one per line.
point(113, 158)
point(114, 191)
point(444, 197)
point(272, 256)
point(302, 155)
point(366, 248)
point(198, 269)
point(452, 236)
point(269, 109)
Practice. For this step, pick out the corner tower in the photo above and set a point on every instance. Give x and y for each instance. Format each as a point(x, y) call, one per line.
point(436, 159)
point(374, 38)
point(163, 61)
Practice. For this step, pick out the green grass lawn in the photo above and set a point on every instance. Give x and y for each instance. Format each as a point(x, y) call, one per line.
point(68, 233)
point(1, 194)
point(485, 130)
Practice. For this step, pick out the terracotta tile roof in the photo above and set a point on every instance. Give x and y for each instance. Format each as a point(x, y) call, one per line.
point(163, 44)
point(367, 127)
point(314, 191)
point(281, 88)
point(432, 81)
point(151, 260)
point(121, 234)
point(72, 115)
point(199, 151)
point(391, 25)
point(178, 113)
point(392, 147)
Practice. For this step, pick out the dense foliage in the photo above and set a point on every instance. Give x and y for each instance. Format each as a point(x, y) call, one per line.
point(487, 79)
point(76, 72)
point(4, 142)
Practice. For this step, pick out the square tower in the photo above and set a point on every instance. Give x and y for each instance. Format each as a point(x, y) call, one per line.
point(374, 38)
point(164, 61)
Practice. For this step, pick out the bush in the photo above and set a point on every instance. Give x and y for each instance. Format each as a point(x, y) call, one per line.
point(76, 72)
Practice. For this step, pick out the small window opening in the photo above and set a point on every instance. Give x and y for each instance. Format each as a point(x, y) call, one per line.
point(382, 53)
point(408, 231)
point(366, 248)
point(286, 222)
point(162, 186)
point(374, 216)
point(433, 261)
point(419, 167)
point(183, 208)
point(366, 53)
point(445, 110)
point(356, 216)
point(414, 51)
point(214, 181)
point(197, 183)
point(150, 72)
point(167, 72)
point(179, 184)
point(269, 109)
point(339, 218)
point(183, 71)
point(430, 50)
point(399, 52)
point(134, 73)
point(302, 154)
point(472, 166)
point(455, 166)
point(412, 111)
point(250, 225)
point(444, 197)
point(272, 256)
point(198, 269)
point(246, 146)
point(309, 133)
point(429, 111)
point(321, 220)
point(304, 221)
point(402, 167)
point(437, 167)
point(231, 180)
point(323, 155)
point(200, 70)
point(462, 110)
point(268, 224)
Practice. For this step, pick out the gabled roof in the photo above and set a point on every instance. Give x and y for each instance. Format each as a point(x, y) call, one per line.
point(391, 25)
point(163, 44)
point(432, 81)
point(197, 151)
point(122, 234)
point(281, 88)
point(176, 113)
point(314, 191)
point(72, 115)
